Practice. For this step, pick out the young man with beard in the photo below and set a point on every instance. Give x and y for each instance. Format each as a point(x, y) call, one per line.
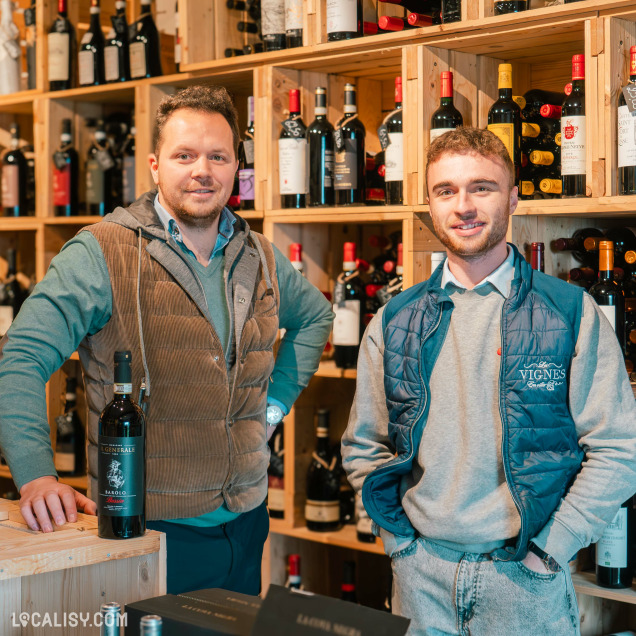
point(180, 280)
point(493, 431)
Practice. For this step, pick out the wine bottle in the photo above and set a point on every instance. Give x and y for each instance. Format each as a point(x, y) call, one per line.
point(14, 177)
point(128, 167)
point(537, 260)
point(322, 508)
point(11, 294)
point(234, 201)
point(394, 152)
point(70, 437)
point(350, 164)
point(417, 6)
point(614, 559)
point(393, 23)
point(145, 55)
point(504, 117)
point(65, 174)
point(151, 625)
point(321, 154)
point(364, 531)
point(537, 100)
point(111, 619)
point(255, 47)
point(10, 51)
point(230, 52)
point(451, 11)
point(246, 161)
point(344, 19)
point(292, 156)
point(348, 299)
point(446, 117)
point(296, 257)
point(100, 165)
point(294, 580)
point(624, 240)
point(584, 275)
point(606, 292)
point(276, 474)
point(348, 587)
point(177, 38)
point(627, 135)
point(551, 186)
point(246, 27)
point(30, 24)
point(510, 6)
point(576, 244)
point(273, 24)
point(419, 20)
point(61, 46)
point(294, 23)
point(573, 144)
point(91, 51)
point(117, 48)
point(121, 459)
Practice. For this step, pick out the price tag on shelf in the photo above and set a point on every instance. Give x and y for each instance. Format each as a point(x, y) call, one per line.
point(629, 93)
point(338, 140)
point(295, 127)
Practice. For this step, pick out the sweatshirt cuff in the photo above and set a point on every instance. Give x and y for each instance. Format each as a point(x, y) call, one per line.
point(559, 542)
point(33, 468)
point(278, 403)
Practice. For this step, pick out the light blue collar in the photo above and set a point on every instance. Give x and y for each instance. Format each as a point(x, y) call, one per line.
point(226, 229)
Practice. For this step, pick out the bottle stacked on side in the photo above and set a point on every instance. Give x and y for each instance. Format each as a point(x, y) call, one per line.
point(14, 290)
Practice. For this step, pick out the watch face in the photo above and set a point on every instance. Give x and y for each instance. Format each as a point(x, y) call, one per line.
point(274, 414)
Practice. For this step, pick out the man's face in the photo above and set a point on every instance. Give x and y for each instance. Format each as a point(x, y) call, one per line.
point(470, 202)
point(195, 167)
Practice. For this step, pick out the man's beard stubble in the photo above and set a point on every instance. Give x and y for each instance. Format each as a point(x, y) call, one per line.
point(188, 218)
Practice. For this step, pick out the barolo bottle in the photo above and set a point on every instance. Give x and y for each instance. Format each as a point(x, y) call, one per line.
point(30, 24)
point(350, 164)
point(61, 46)
point(348, 299)
point(537, 260)
point(273, 24)
point(145, 55)
point(14, 177)
point(100, 166)
point(321, 154)
point(294, 23)
point(128, 167)
point(246, 161)
point(344, 19)
point(292, 156)
point(614, 559)
point(117, 49)
point(573, 171)
point(65, 174)
point(510, 6)
point(91, 51)
point(276, 474)
point(70, 437)
point(446, 117)
point(322, 508)
point(394, 153)
point(348, 587)
point(10, 52)
point(627, 135)
point(121, 459)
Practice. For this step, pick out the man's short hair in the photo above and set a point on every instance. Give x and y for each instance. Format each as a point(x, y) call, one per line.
point(205, 99)
point(466, 140)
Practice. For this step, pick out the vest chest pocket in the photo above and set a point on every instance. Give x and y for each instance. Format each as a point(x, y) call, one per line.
point(265, 305)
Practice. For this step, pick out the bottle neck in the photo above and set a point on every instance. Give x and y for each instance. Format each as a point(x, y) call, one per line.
point(505, 93)
point(95, 19)
point(605, 275)
point(398, 105)
point(322, 441)
point(446, 101)
point(578, 86)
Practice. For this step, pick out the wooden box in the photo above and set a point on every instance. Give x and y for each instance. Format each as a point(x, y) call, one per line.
point(70, 571)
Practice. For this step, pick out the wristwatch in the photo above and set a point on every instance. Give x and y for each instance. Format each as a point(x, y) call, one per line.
point(550, 564)
point(274, 415)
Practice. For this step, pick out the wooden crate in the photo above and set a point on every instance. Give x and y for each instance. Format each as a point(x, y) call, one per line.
point(71, 570)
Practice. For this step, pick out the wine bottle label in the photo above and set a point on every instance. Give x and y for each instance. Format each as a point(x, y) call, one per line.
point(626, 138)
point(383, 136)
point(104, 159)
point(120, 476)
point(328, 159)
point(394, 158)
point(505, 132)
point(272, 17)
point(62, 186)
point(94, 182)
point(177, 53)
point(64, 462)
point(611, 549)
point(275, 494)
point(573, 145)
point(86, 67)
point(246, 184)
point(129, 180)
point(292, 165)
point(10, 186)
point(111, 63)
point(438, 132)
point(248, 149)
point(293, 14)
point(59, 51)
point(122, 388)
point(610, 313)
point(346, 167)
point(342, 16)
point(346, 325)
point(137, 59)
point(322, 511)
point(6, 318)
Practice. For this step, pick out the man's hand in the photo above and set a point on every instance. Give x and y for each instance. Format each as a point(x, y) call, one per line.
point(535, 563)
point(45, 497)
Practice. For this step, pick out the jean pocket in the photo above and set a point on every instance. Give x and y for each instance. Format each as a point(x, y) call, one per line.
point(406, 551)
point(525, 571)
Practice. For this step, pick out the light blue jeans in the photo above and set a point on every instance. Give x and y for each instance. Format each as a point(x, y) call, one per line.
point(446, 592)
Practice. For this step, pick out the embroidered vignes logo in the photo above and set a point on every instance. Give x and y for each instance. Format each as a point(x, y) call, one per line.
point(543, 375)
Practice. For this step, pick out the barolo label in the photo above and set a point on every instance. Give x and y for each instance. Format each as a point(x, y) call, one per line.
point(94, 182)
point(346, 325)
point(573, 145)
point(322, 511)
point(611, 549)
point(129, 180)
point(342, 16)
point(346, 167)
point(394, 158)
point(111, 63)
point(59, 51)
point(610, 313)
point(86, 68)
point(438, 132)
point(292, 165)
point(120, 476)
point(10, 186)
point(6, 318)
point(62, 186)
point(626, 138)
point(137, 59)
point(272, 17)
point(246, 184)
point(505, 132)
point(293, 14)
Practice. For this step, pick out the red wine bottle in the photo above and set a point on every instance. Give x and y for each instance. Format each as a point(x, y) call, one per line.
point(432, 7)
point(537, 257)
point(296, 257)
point(100, 168)
point(446, 117)
point(573, 145)
point(11, 294)
point(322, 508)
point(121, 459)
point(273, 24)
point(614, 559)
point(510, 6)
point(321, 154)
point(624, 240)
point(294, 581)
point(294, 23)
point(348, 586)
point(627, 136)
point(535, 99)
point(344, 19)
point(65, 174)
point(61, 44)
point(128, 166)
point(117, 49)
point(91, 50)
point(276, 474)
point(145, 54)
point(246, 161)
point(576, 244)
point(70, 437)
point(394, 152)
point(292, 156)
point(14, 177)
point(349, 297)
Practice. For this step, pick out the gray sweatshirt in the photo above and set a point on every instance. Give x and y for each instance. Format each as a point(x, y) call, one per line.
point(457, 493)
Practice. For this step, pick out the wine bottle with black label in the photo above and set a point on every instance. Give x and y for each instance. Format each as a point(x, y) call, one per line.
point(451, 11)
point(100, 165)
point(128, 167)
point(294, 23)
point(573, 145)
point(322, 508)
point(65, 174)
point(321, 154)
point(145, 55)
point(627, 135)
point(394, 152)
point(11, 294)
point(276, 474)
point(273, 24)
point(70, 437)
point(91, 50)
point(246, 161)
point(121, 459)
point(446, 117)
point(117, 49)
point(292, 156)
point(614, 558)
point(344, 19)
point(62, 53)
point(14, 177)
point(537, 260)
